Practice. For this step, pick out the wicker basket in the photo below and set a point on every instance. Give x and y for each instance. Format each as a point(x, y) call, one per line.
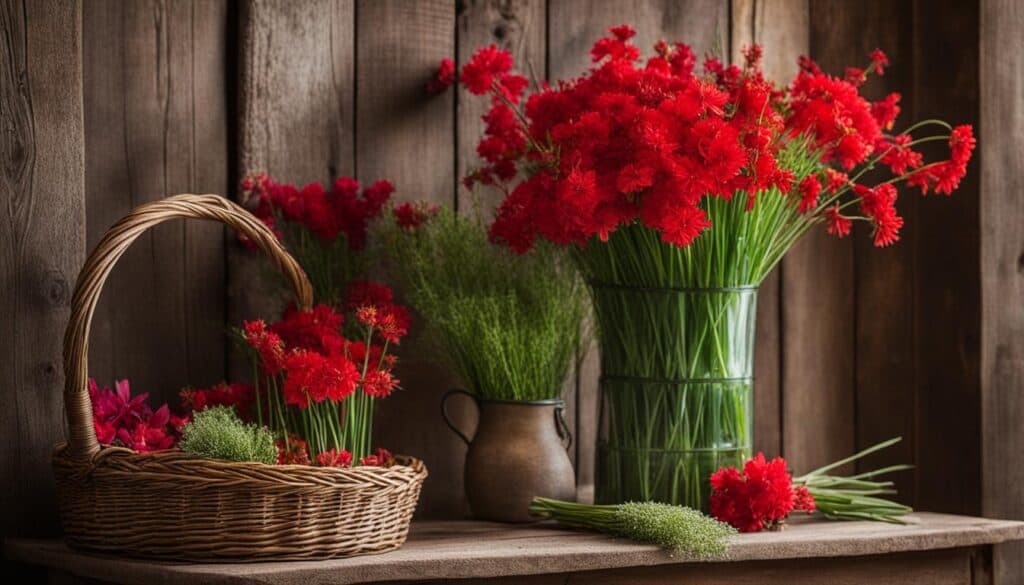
point(173, 505)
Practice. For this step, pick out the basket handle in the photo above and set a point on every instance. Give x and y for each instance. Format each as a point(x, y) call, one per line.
point(82, 443)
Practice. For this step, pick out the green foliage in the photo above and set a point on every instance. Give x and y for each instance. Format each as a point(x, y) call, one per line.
point(509, 324)
point(218, 433)
point(677, 529)
point(856, 497)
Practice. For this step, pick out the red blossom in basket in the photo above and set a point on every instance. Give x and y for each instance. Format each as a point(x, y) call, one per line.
point(239, 396)
point(759, 497)
point(381, 458)
point(379, 383)
point(647, 141)
point(122, 419)
point(318, 329)
point(363, 293)
point(443, 78)
point(312, 377)
point(294, 451)
point(335, 458)
point(267, 344)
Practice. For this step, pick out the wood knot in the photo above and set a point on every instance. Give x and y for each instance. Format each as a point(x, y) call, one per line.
point(500, 32)
point(55, 289)
point(47, 374)
point(1020, 263)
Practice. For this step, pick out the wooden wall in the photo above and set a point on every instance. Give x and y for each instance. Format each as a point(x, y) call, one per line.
point(109, 104)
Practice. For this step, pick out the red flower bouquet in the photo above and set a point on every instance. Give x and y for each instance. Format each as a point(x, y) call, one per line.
point(324, 230)
point(762, 494)
point(315, 388)
point(678, 191)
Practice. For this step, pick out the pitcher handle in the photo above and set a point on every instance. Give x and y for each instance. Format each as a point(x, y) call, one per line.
point(447, 419)
point(561, 426)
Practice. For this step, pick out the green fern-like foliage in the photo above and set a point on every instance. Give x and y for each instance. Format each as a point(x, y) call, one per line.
point(510, 324)
point(218, 433)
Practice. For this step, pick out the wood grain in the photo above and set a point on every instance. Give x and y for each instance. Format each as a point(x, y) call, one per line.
point(409, 138)
point(42, 244)
point(296, 92)
point(949, 302)
point(156, 125)
point(518, 26)
point(439, 551)
point(1002, 272)
point(782, 28)
point(818, 308)
point(885, 278)
point(573, 26)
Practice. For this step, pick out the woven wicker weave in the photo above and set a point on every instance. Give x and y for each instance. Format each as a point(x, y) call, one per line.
point(173, 505)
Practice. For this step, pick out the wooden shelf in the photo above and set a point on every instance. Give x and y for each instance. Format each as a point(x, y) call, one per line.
point(456, 550)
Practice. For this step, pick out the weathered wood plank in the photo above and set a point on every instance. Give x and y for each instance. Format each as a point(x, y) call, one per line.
point(477, 550)
point(818, 307)
point(949, 302)
point(518, 26)
point(156, 125)
point(1002, 272)
point(885, 278)
point(407, 137)
point(782, 28)
point(573, 26)
point(296, 122)
point(42, 244)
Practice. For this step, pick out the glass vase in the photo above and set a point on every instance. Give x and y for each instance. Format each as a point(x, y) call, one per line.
point(676, 389)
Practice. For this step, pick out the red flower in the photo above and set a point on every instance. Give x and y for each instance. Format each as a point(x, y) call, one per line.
point(268, 345)
point(855, 76)
point(484, 68)
point(836, 180)
point(294, 451)
point(391, 322)
point(318, 329)
point(443, 78)
point(120, 418)
point(239, 396)
point(898, 155)
point(879, 61)
point(886, 109)
point(410, 216)
point(838, 225)
point(379, 383)
point(150, 434)
point(367, 293)
point(382, 458)
point(803, 500)
point(313, 377)
point(879, 204)
point(759, 497)
point(335, 458)
point(810, 188)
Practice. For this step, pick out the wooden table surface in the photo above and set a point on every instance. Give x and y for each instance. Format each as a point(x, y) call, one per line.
point(459, 550)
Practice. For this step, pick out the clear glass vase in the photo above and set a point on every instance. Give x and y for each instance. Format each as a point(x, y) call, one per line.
point(676, 389)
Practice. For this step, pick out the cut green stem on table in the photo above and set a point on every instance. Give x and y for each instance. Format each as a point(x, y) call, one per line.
point(677, 529)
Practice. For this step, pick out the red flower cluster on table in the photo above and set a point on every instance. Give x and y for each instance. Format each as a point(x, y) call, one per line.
point(326, 214)
point(759, 497)
point(122, 419)
point(631, 141)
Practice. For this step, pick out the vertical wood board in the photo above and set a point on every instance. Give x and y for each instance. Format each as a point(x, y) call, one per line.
point(42, 244)
point(155, 110)
point(1002, 273)
point(408, 137)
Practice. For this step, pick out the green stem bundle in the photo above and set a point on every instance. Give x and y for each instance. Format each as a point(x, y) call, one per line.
point(856, 497)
